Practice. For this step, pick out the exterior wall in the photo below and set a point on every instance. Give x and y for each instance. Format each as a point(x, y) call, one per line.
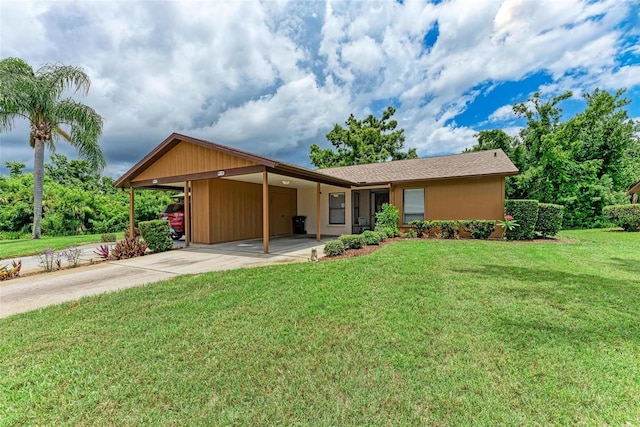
point(186, 158)
point(307, 207)
point(225, 210)
point(471, 198)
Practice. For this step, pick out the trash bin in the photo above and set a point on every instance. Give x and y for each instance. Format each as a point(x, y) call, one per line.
point(298, 224)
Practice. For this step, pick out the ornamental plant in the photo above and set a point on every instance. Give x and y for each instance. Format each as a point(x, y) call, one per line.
point(508, 223)
point(49, 259)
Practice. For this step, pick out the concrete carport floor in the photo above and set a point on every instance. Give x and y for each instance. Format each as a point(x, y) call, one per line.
point(34, 292)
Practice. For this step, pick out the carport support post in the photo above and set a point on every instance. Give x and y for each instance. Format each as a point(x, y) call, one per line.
point(318, 211)
point(265, 212)
point(132, 217)
point(187, 215)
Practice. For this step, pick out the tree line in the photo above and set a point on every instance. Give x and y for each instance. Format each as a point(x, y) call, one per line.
point(585, 163)
point(76, 200)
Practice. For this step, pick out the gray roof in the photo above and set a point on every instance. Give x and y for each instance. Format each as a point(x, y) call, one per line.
point(466, 165)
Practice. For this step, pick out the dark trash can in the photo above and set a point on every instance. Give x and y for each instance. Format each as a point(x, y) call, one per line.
point(298, 224)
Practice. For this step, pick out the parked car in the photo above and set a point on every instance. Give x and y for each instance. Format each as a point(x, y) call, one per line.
point(174, 213)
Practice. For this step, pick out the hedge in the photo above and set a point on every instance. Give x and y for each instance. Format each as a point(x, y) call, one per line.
point(549, 219)
point(157, 234)
point(333, 248)
point(525, 212)
point(625, 216)
point(352, 241)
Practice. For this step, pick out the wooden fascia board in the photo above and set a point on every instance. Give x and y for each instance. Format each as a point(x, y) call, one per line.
point(223, 173)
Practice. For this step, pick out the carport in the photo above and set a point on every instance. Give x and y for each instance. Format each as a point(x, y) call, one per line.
point(230, 194)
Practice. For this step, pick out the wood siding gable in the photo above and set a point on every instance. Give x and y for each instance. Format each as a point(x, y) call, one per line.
point(187, 158)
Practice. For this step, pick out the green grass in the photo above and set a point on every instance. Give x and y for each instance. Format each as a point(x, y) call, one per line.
point(418, 333)
point(25, 247)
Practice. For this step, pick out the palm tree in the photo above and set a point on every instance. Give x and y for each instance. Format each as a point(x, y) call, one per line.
point(35, 96)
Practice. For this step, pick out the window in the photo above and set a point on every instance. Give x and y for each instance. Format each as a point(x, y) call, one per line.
point(413, 204)
point(336, 208)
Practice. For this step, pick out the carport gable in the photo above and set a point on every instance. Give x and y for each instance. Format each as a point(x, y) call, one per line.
point(181, 158)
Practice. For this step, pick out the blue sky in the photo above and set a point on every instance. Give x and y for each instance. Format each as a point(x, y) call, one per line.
point(274, 77)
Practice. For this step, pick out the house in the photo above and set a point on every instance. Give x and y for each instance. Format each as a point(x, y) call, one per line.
point(237, 195)
point(635, 190)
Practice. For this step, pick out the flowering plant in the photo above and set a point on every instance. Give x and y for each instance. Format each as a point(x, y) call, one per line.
point(509, 223)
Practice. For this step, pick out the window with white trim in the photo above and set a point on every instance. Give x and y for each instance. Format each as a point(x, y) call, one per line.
point(413, 204)
point(336, 208)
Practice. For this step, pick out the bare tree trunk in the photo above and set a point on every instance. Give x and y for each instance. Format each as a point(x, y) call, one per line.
point(38, 186)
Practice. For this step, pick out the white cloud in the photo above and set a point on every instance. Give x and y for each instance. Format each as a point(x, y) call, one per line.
point(274, 76)
point(502, 113)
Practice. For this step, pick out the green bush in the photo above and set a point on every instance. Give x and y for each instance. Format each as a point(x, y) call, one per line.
point(107, 237)
point(446, 229)
point(157, 234)
point(381, 236)
point(352, 241)
point(525, 212)
point(422, 227)
point(625, 216)
point(333, 248)
point(371, 238)
point(387, 220)
point(478, 228)
point(549, 219)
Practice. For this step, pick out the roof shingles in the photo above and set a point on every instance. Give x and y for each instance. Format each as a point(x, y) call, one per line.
point(466, 165)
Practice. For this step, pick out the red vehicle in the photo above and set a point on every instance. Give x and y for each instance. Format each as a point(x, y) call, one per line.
point(174, 213)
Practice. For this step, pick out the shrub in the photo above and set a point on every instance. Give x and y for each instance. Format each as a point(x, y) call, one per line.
point(157, 234)
point(352, 241)
point(130, 246)
point(625, 216)
point(371, 238)
point(108, 237)
point(333, 248)
point(421, 226)
point(410, 233)
point(381, 236)
point(478, 229)
point(446, 229)
point(525, 212)
point(387, 220)
point(549, 219)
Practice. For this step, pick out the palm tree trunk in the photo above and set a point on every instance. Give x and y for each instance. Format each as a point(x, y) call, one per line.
point(38, 186)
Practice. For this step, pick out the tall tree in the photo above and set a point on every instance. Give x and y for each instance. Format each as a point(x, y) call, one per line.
point(371, 140)
point(37, 97)
point(583, 163)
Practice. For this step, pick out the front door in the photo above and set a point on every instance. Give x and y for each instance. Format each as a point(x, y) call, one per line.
point(379, 198)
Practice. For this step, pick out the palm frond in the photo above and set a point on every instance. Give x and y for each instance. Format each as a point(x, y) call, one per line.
point(58, 78)
point(17, 82)
point(86, 129)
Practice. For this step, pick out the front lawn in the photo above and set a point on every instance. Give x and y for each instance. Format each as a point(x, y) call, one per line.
point(417, 333)
point(25, 247)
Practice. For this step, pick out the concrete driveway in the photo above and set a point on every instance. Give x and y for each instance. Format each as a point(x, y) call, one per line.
point(30, 293)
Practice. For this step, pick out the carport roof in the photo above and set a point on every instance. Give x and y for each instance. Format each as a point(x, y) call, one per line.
point(270, 165)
